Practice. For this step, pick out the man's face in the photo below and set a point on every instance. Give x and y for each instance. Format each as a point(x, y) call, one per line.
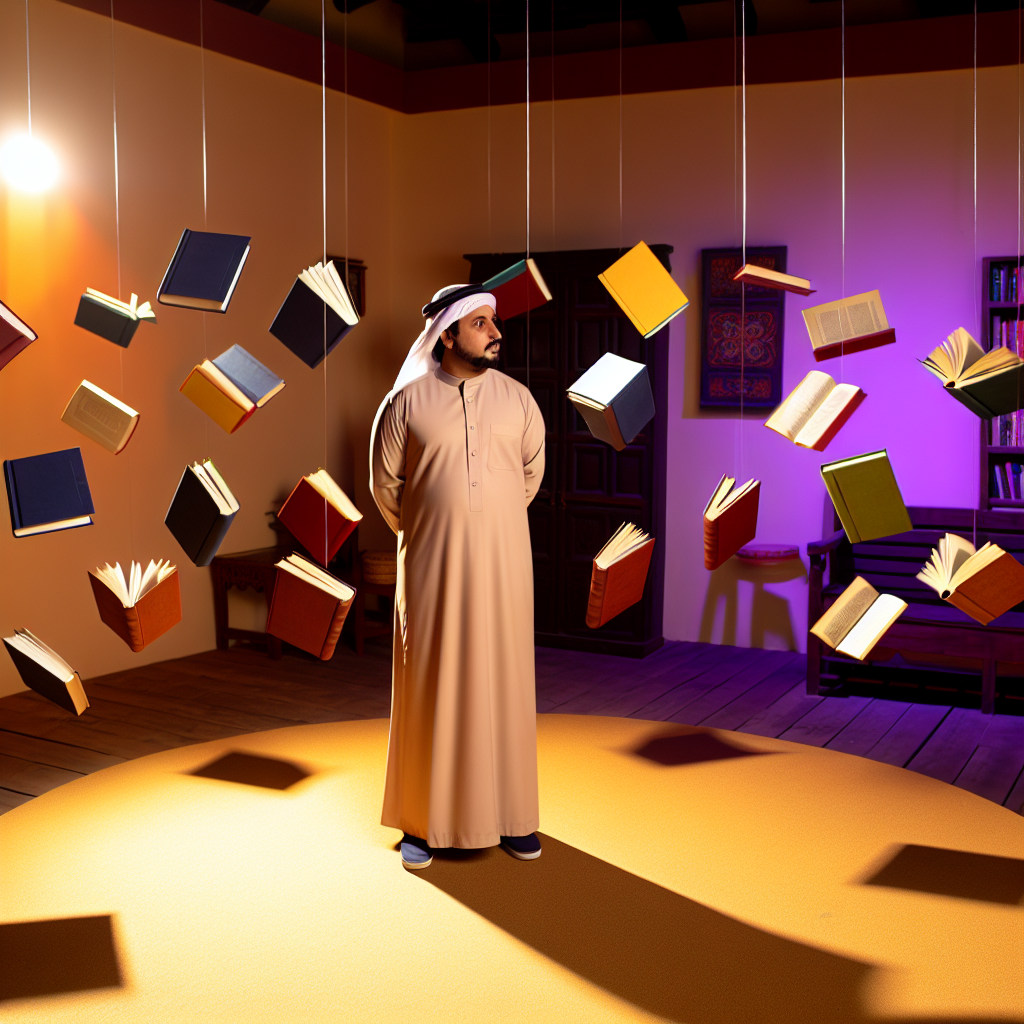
point(479, 340)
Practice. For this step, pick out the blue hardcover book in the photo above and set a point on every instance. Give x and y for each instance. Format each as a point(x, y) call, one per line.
point(48, 492)
point(204, 270)
point(249, 375)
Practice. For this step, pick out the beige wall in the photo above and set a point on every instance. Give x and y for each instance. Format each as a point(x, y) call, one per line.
point(419, 198)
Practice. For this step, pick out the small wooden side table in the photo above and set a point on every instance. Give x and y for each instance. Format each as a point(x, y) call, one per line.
point(244, 569)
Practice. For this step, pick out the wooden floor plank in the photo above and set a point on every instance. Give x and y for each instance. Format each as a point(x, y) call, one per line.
point(908, 734)
point(825, 720)
point(783, 714)
point(952, 744)
point(23, 776)
point(58, 755)
point(740, 710)
point(868, 727)
point(10, 799)
point(994, 767)
point(1015, 801)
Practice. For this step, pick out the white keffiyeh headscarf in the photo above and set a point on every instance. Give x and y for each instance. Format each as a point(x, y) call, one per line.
point(420, 360)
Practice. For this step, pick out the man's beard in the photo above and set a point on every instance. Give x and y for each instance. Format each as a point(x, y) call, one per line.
point(489, 358)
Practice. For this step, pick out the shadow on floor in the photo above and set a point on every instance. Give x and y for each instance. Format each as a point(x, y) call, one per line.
point(251, 770)
point(690, 748)
point(660, 951)
point(966, 876)
point(45, 958)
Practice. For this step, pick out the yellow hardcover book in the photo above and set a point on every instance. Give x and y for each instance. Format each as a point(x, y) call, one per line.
point(644, 290)
point(866, 496)
point(209, 389)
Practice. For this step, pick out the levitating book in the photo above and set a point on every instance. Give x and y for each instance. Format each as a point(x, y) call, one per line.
point(316, 314)
point(984, 583)
point(619, 574)
point(309, 606)
point(858, 619)
point(45, 671)
point(204, 271)
point(614, 398)
point(644, 290)
point(230, 388)
point(815, 411)
point(100, 417)
point(988, 383)
point(49, 492)
point(319, 515)
point(866, 496)
point(730, 520)
point(141, 608)
point(518, 289)
point(201, 512)
point(751, 273)
point(15, 335)
point(111, 318)
point(848, 325)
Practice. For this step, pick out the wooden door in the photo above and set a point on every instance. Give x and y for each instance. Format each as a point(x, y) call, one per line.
point(589, 489)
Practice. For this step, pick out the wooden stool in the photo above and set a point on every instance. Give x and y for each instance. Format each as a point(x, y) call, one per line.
point(244, 569)
point(375, 573)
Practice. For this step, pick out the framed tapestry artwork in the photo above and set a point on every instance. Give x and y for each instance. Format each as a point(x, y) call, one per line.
point(726, 369)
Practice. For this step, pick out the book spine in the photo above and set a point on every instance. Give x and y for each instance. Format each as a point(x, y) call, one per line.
point(334, 633)
point(209, 548)
point(968, 607)
point(598, 584)
point(136, 639)
point(852, 534)
point(179, 249)
point(12, 495)
point(860, 343)
point(972, 403)
point(711, 544)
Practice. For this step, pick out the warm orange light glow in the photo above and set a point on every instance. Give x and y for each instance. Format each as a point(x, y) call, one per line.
point(28, 165)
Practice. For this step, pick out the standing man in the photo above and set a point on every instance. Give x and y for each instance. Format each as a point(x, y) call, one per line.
point(456, 455)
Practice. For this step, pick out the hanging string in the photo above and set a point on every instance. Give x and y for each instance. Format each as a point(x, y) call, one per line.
point(620, 127)
point(743, 242)
point(202, 79)
point(527, 181)
point(554, 244)
point(117, 233)
point(842, 173)
point(490, 241)
point(28, 69)
point(323, 201)
point(974, 290)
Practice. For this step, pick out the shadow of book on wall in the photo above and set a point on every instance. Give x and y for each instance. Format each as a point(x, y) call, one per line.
point(46, 958)
point(252, 770)
point(957, 873)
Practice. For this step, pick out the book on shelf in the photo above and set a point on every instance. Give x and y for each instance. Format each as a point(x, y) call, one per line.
point(100, 417)
point(45, 671)
point(1004, 282)
point(848, 325)
point(751, 273)
point(1008, 331)
point(48, 492)
point(614, 398)
point(204, 271)
point(866, 496)
point(1008, 431)
point(201, 511)
point(316, 314)
point(815, 411)
point(518, 289)
point(619, 574)
point(230, 388)
point(1006, 481)
point(141, 608)
point(644, 289)
point(111, 318)
point(858, 618)
point(15, 335)
point(983, 583)
point(319, 515)
point(988, 383)
point(1000, 483)
point(309, 606)
point(1014, 471)
point(730, 520)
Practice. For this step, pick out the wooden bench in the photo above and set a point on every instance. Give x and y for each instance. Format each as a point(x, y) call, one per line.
point(930, 625)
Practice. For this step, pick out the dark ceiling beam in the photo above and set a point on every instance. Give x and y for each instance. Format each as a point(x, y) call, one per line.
point(665, 21)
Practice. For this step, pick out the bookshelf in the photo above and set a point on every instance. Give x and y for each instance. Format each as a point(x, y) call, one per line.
point(1001, 303)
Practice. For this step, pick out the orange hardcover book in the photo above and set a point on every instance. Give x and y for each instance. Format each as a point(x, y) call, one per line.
point(138, 620)
point(753, 274)
point(730, 520)
point(983, 584)
point(619, 574)
point(309, 606)
point(319, 515)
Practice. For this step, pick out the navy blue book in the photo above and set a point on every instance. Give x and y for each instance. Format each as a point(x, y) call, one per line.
point(249, 375)
point(204, 270)
point(48, 492)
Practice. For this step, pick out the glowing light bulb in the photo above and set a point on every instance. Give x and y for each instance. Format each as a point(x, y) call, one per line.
point(27, 164)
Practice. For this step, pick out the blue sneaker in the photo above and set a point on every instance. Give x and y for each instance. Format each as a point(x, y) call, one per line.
point(415, 853)
point(522, 847)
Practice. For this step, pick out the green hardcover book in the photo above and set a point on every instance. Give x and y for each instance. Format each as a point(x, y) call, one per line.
point(988, 383)
point(866, 496)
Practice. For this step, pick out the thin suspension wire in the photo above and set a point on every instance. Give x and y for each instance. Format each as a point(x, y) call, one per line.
point(202, 80)
point(974, 290)
point(28, 69)
point(323, 200)
point(620, 127)
point(743, 244)
point(490, 240)
point(527, 181)
point(554, 244)
point(842, 172)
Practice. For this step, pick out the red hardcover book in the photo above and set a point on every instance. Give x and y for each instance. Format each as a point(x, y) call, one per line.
point(309, 606)
point(617, 581)
point(15, 335)
point(730, 520)
point(518, 289)
point(858, 344)
point(319, 515)
point(150, 617)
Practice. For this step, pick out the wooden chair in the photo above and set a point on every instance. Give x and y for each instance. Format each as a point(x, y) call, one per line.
point(374, 574)
point(929, 625)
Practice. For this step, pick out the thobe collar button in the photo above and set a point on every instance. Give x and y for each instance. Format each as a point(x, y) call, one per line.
point(474, 483)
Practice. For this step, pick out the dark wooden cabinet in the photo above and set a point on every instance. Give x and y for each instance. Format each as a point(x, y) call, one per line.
point(589, 489)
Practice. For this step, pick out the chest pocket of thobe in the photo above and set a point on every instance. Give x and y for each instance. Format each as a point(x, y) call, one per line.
point(506, 448)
